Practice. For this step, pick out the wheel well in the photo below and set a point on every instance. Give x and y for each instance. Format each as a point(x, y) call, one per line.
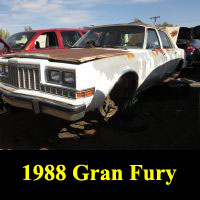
point(131, 78)
point(180, 65)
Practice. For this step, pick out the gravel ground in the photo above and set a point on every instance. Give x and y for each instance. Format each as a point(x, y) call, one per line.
point(172, 119)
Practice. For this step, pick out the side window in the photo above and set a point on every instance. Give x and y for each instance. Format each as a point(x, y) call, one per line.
point(152, 40)
point(165, 40)
point(69, 38)
point(47, 40)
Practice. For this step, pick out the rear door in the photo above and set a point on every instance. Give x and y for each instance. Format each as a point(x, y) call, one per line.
point(170, 54)
point(154, 61)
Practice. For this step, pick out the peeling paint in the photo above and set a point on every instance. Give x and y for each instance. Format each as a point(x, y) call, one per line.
point(156, 52)
point(130, 55)
point(174, 33)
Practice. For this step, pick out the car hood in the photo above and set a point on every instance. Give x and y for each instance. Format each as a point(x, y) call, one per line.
point(73, 55)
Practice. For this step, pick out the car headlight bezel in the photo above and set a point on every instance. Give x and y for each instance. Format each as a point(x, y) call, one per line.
point(50, 73)
point(66, 77)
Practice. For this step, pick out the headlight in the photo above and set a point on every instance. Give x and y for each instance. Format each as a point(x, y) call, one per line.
point(68, 78)
point(53, 76)
point(61, 77)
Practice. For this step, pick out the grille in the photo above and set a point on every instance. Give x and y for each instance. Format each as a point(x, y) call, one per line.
point(57, 91)
point(23, 76)
point(26, 76)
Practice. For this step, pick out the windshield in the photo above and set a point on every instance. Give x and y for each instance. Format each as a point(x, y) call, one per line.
point(19, 41)
point(113, 37)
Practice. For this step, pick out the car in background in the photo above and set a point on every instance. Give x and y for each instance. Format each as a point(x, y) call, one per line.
point(41, 40)
point(184, 37)
point(4, 47)
point(189, 39)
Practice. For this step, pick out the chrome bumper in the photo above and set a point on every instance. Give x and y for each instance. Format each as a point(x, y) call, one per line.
point(42, 105)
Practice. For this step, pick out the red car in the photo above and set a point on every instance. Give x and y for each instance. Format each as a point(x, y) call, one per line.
point(41, 40)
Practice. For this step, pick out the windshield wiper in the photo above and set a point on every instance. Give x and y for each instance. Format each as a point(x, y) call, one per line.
point(114, 47)
point(76, 47)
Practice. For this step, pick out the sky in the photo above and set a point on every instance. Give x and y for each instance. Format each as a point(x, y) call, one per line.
point(41, 14)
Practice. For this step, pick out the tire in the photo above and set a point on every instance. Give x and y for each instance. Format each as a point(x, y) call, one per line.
point(122, 100)
point(129, 117)
point(124, 96)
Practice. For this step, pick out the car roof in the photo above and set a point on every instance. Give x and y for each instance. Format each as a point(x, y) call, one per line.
point(57, 29)
point(126, 24)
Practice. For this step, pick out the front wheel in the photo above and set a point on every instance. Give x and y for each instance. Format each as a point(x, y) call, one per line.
point(122, 100)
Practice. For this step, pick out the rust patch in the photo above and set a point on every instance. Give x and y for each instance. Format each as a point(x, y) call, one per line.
point(156, 52)
point(174, 33)
point(72, 55)
point(161, 51)
point(130, 55)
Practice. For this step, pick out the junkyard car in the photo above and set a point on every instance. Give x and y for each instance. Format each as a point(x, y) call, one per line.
point(189, 40)
point(104, 70)
point(41, 40)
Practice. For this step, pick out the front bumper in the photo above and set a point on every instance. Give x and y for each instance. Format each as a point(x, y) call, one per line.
point(42, 105)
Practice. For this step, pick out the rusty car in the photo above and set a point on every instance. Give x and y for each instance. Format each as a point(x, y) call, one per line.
point(105, 70)
point(41, 40)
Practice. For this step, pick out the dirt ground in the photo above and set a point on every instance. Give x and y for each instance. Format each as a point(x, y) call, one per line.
point(172, 117)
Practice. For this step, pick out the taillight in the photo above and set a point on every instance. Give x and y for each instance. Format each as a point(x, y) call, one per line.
point(190, 49)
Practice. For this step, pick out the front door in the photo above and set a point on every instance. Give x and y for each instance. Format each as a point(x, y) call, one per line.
point(170, 54)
